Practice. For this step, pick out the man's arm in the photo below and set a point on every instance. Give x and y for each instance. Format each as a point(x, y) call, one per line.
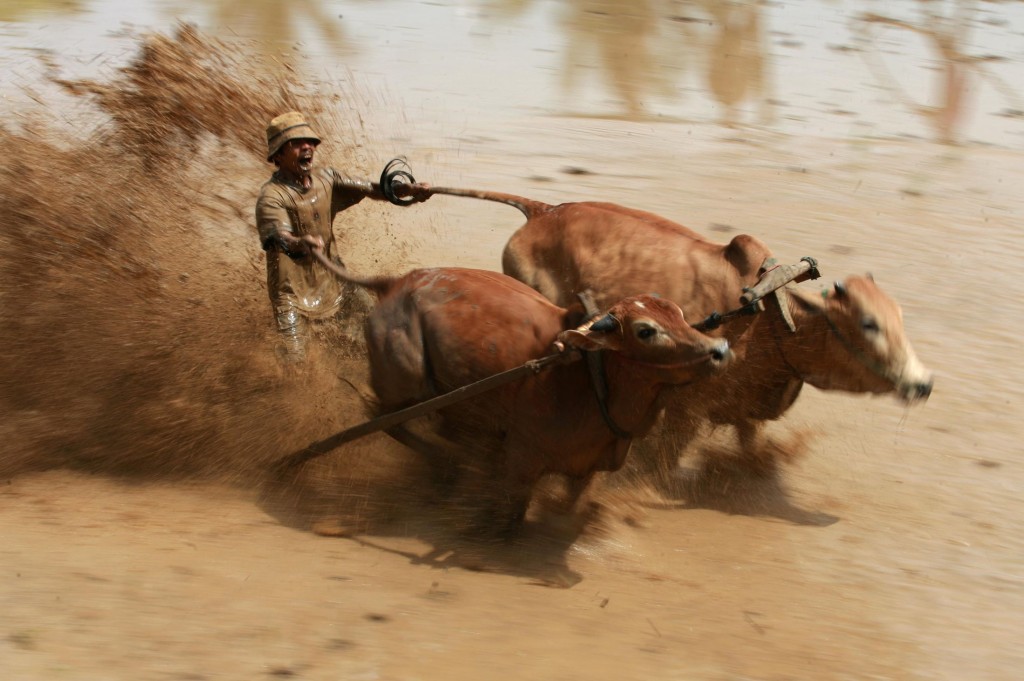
point(418, 191)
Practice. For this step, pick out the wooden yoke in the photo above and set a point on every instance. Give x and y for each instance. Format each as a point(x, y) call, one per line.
point(776, 276)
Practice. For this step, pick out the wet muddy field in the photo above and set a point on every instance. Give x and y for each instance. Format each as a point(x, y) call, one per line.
point(143, 536)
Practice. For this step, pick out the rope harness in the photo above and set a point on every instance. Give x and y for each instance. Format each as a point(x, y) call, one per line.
point(598, 376)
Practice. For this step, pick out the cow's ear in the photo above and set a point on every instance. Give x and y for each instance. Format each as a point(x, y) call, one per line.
point(586, 340)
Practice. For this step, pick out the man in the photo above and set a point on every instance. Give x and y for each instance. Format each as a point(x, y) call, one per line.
point(295, 213)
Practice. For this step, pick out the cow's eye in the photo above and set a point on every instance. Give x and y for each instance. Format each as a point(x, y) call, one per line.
point(869, 325)
point(646, 332)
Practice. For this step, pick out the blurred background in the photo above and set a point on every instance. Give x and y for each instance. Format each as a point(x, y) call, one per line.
point(141, 405)
point(932, 69)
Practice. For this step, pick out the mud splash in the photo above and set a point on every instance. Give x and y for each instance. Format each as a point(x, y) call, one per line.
point(135, 332)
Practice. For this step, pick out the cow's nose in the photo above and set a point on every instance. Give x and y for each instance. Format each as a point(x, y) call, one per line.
point(720, 351)
point(924, 390)
point(916, 390)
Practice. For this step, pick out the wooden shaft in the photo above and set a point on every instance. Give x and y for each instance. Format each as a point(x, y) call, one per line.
point(386, 421)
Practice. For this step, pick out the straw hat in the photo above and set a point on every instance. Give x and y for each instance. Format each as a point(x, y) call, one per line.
point(289, 126)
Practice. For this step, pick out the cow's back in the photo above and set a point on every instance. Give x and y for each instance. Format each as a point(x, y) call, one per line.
point(438, 329)
point(616, 252)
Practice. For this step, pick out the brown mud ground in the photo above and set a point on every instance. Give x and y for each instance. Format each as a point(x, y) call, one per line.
point(142, 538)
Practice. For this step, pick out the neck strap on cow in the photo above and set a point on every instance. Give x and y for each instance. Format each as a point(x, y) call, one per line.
point(787, 318)
point(598, 376)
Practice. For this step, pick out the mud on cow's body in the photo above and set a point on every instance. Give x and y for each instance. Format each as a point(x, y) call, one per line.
point(851, 339)
point(435, 330)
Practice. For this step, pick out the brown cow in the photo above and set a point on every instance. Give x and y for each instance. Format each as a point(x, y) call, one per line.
point(850, 340)
point(434, 330)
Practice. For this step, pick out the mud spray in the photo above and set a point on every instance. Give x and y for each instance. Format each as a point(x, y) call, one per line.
point(136, 335)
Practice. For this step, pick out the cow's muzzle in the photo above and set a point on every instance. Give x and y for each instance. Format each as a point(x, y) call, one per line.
point(916, 391)
point(720, 355)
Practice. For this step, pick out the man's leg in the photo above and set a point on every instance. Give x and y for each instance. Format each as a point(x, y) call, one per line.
point(291, 327)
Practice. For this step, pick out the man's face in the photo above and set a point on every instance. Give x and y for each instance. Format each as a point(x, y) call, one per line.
point(296, 156)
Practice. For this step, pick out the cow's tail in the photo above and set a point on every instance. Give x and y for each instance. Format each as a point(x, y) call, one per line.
point(378, 285)
point(527, 207)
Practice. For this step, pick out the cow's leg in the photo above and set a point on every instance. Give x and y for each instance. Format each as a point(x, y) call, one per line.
point(754, 455)
point(648, 462)
point(575, 487)
point(515, 485)
point(655, 457)
point(399, 368)
point(573, 512)
point(505, 501)
point(510, 509)
point(442, 455)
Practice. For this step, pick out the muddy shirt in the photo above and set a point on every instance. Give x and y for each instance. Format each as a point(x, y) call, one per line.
point(287, 207)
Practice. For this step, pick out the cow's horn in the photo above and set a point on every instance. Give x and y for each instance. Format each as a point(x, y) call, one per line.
point(605, 324)
point(840, 288)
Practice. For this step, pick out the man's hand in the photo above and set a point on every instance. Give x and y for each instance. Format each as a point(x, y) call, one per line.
point(310, 242)
point(299, 247)
point(418, 191)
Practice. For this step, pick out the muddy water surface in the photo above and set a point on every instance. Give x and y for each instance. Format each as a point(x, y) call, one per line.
point(890, 550)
